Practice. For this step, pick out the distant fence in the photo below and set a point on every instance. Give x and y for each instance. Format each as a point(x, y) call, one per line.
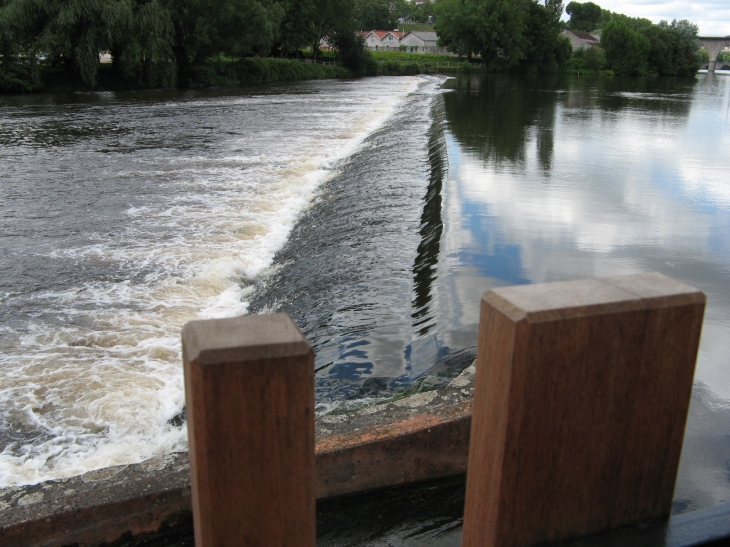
point(437, 65)
point(325, 63)
point(581, 397)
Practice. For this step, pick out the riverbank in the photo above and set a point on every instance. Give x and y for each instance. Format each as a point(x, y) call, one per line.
point(214, 73)
point(225, 71)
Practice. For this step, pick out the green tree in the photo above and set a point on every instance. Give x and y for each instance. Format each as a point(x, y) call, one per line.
point(455, 27)
point(145, 55)
point(627, 51)
point(421, 13)
point(351, 50)
point(673, 48)
point(545, 50)
point(72, 33)
point(19, 66)
point(595, 59)
point(325, 16)
point(295, 31)
point(583, 16)
point(236, 28)
point(491, 28)
point(374, 15)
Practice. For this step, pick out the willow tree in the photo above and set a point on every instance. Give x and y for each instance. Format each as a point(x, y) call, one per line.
point(73, 33)
point(232, 28)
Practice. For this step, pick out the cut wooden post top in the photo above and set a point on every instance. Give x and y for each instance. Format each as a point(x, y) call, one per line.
point(581, 396)
point(572, 299)
point(237, 339)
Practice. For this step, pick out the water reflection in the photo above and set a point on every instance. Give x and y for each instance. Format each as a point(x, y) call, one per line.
point(573, 177)
point(494, 117)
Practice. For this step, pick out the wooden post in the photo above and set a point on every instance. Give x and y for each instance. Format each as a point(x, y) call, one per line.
point(581, 397)
point(249, 387)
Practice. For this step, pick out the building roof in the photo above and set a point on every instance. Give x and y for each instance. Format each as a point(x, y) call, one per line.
point(425, 35)
point(382, 33)
point(585, 36)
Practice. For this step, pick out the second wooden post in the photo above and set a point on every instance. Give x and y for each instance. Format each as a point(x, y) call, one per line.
point(581, 396)
point(249, 385)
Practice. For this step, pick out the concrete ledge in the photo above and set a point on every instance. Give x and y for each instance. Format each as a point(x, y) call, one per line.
point(410, 439)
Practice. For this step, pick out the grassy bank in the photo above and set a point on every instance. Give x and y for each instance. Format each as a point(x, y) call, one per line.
point(225, 71)
point(410, 27)
point(389, 63)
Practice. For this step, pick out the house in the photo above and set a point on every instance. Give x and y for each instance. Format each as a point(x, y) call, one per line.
point(382, 40)
point(419, 41)
point(581, 40)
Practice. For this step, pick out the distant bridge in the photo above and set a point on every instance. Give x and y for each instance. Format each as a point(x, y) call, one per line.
point(713, 45)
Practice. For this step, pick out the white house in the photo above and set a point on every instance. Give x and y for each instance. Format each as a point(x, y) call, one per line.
point(382, 40)
point(419, 41)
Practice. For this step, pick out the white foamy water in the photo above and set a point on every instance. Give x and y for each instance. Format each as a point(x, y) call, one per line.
point(148, 213)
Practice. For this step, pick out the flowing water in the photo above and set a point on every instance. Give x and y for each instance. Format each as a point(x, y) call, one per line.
point(375, 212)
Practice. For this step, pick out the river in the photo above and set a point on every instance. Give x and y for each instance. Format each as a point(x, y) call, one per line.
point(374, 211)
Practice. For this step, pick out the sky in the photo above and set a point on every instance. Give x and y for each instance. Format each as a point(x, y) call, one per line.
point(712, 16)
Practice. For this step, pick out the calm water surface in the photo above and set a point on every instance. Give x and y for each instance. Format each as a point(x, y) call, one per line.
point(375, 212)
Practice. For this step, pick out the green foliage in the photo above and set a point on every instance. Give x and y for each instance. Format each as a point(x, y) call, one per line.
point(325, 17)
point(583, 17)
point(455, 26)
point(490, 28)
point(666, 49)
point(18, 77)
point(421, 13)
point(673, 48)
point(18, 73)
point(595, 59)
point(222, 70)
point(295, 31)
point(626, 51)
point(587, 60)
point(351, 51)
point(521, 34)
point(589, 17)
point(545, 50)
point(374, 15)
point(410, 27)
point(72, 33)
point(206, 28)
point(420, 58)
point(146, 55)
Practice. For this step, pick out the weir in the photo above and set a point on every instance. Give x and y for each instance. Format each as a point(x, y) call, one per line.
point(581, 395)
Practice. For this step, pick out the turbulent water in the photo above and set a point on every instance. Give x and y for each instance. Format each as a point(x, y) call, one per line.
point(126, 215)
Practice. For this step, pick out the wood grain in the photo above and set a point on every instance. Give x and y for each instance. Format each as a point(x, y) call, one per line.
point(249, 386)
point(581, 396)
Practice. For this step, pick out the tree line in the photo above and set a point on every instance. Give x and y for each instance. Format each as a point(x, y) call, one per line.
point(163, 43)
point(634, 45)
point(526, 35)
point(507, 34)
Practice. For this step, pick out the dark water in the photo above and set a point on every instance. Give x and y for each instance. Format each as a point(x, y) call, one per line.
point(375, 212)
